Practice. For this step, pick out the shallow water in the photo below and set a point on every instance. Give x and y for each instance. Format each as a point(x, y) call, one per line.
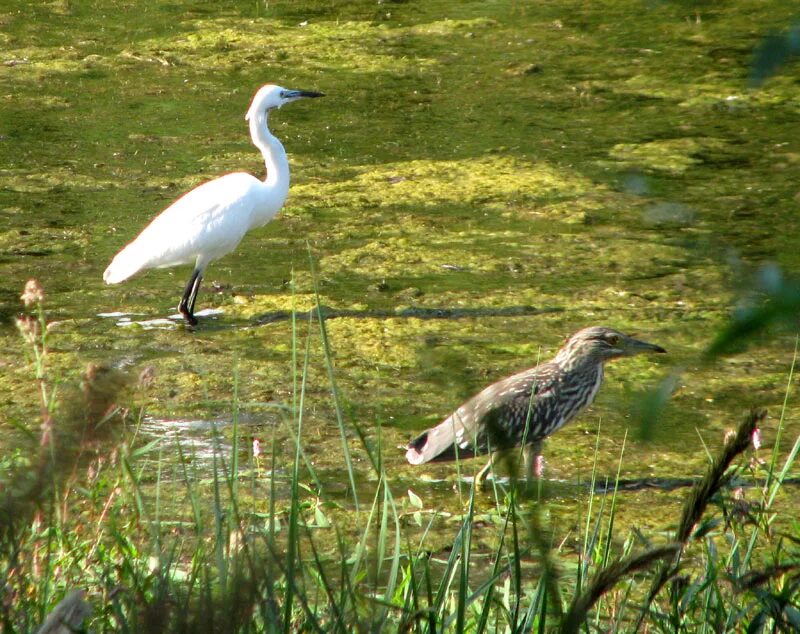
point(481, 180)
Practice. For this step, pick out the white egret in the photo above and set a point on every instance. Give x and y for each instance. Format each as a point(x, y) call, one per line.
point(210, 220)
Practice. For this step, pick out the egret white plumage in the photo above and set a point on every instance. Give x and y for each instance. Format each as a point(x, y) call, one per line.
point(210, 220)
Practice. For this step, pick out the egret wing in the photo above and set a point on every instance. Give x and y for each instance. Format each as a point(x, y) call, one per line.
point(210, 220)
point(204, 224)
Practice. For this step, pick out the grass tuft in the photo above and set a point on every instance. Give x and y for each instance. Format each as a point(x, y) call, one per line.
point(148, 538)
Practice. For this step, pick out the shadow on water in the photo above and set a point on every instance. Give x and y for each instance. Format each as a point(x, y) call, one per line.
point(555, 489)
point(215, 320)
point(671, 484)
point(410, 313)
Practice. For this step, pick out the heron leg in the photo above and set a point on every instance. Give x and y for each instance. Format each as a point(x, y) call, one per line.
point(481, 475)
point(186, 307)
point(530, 457)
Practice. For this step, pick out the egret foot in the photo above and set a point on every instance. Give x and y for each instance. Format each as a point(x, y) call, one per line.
point(188, 317)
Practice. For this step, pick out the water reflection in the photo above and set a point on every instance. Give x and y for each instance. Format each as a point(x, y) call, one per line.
point(125, 320)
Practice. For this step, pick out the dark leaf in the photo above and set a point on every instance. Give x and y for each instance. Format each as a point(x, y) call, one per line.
point(775, 51)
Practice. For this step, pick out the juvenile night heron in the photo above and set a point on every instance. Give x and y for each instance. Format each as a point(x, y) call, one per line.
point(525, 408)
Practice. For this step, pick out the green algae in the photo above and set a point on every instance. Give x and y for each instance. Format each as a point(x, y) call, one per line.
point(671, 155)
point(491, 182)
point(358, 47)
point(469, 157)
point(22, 181)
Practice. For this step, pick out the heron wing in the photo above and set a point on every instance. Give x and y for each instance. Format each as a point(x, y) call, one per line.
point(500, 416)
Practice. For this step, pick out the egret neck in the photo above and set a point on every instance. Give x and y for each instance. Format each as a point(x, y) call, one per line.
point(275, 160)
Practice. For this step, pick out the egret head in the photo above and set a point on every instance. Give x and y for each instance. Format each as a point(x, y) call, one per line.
point(598, 344)
point(272, 96)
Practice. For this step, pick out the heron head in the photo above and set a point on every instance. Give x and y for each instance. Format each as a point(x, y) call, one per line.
point(272, 96)
point(599, 343)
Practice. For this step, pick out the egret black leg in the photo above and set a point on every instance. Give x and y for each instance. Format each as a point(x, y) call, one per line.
point(195, 289)
point(186, 307)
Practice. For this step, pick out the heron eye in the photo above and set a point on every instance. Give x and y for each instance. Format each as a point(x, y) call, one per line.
point(613, 340)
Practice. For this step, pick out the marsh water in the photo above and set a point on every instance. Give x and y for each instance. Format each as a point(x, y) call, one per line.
point(481, 180)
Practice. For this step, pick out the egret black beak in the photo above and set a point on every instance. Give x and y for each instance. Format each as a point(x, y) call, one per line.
point(297, 94)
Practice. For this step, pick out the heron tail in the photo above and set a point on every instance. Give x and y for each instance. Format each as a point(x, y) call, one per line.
point(437, 444)
point(416, 449)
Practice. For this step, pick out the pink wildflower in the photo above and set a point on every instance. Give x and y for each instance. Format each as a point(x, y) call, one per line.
point(256, 448)
point(146, 375)
point(28, 327)
point(757, 439)
point(538, 467)
point(33, 293)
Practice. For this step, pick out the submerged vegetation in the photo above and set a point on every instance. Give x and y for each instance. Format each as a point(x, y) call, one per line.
point(483, 179)
point(160, 546)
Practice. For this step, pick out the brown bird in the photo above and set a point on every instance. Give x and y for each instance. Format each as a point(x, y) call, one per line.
point(525, 408)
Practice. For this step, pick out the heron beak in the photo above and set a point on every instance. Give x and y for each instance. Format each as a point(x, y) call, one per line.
point(633, 346)
point(298, 94)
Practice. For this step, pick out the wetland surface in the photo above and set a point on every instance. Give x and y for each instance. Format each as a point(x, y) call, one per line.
point(482, 179)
